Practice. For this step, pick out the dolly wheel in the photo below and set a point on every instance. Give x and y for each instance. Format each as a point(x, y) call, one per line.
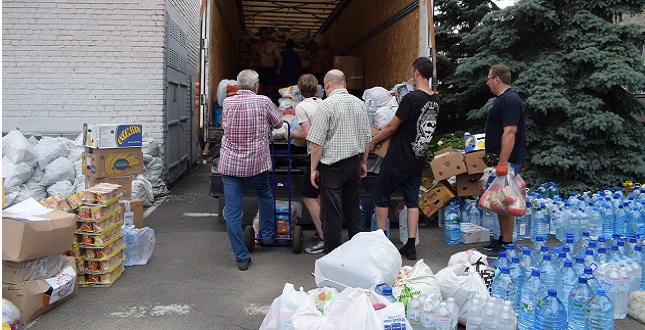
point(296, 239)
point(249, 238)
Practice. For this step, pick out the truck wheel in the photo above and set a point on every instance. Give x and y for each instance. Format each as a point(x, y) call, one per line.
point(296, 239)
point(249, 238)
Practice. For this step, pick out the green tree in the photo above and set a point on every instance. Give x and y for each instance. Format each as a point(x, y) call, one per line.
point(576, 71)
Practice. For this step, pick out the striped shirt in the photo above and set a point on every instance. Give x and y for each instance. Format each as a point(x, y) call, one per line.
point(247, 120)
point(341, 127)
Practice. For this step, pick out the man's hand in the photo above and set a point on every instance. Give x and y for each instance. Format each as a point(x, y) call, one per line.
point(314, 177)
point(501, 169)
point(363, 170)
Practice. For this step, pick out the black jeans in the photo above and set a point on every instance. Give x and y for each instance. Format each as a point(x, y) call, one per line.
point(339, 190)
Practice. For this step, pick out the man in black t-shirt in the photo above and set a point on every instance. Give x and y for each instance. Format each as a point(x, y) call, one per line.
point(411, 129)
point(505, 137)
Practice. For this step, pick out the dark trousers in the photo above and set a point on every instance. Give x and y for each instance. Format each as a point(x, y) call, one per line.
point(339, 190)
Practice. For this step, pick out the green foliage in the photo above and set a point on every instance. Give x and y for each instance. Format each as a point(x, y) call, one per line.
point(576, 72)
point(438, 142)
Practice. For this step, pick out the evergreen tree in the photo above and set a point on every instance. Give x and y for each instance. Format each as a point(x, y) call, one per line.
point(576, 71)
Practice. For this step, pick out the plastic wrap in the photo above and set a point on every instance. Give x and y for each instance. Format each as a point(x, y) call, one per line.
point(139, 245)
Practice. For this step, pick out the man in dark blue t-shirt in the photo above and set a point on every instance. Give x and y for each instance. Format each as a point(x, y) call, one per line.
point(505, 137)
point(411, 129)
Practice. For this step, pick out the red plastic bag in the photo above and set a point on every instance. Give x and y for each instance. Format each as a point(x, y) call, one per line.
point(504, 196)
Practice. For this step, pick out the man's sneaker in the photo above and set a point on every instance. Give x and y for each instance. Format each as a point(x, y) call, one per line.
point(244, 265)
point(317, 237)
point(495, 251)
point(318, 247)
point(494, 244)
point(267, 241)
point(410, 253)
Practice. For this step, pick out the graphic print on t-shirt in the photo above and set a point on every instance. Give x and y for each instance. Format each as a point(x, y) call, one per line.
point(426, 125)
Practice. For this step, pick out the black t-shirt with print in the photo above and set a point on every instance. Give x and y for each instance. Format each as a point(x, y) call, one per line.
point(418, 115)
point(507, 110)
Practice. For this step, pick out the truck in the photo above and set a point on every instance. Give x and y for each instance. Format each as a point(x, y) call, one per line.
point(380, 37)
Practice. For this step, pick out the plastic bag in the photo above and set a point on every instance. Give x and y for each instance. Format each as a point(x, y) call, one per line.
point(283, 308)
point(152, 172)
point(379, 96)
point(462, 282)
point(366, 260)
point(15, 174)
point(139, 244)
point(79, 184)
point(504, 197)
point(149, 146)
point(224, 89)
point(64, 188)
point(142, 189)
point(11, 316)
point(419, 278)
point(468, 257)
point(383, 115)
point(60, 169)
point(49, 149)
point(37, 191)
point(393, 317)
point(16, 147)
point(75, 154)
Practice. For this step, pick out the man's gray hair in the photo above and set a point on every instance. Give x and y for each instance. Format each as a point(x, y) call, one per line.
point(247, 79)
point(335, 76)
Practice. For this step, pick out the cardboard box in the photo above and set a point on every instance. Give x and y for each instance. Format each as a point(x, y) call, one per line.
point(475, 162)
point(34, 269)
point(106, 163)
point(106, 136)
point(25, 240)
point(434, 199)
point(474, 142)
point(35, 298)
point(381, 147)
point(443, 151)
point(468, 184)
point(125, 182)
point(132, 212)
point(448, 164)
point(471, 233)
point(352, 67)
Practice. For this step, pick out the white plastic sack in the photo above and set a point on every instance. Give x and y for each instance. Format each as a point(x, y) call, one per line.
point(393, 317)
point(152, 172)
point(38, 192)
point(383, 116)
point(221, 90)
point(462, 282)
point(366, 260)
point(142, 189)
point(378, 95)
point(468, 257)
point(139, 245)
point(283, 308)
point(60, 169)
point(64, 188)
point(78, 168)
point(75, 153)
point(79, 184)
point(149, 146)
point(49, 149)
point(16, 194)
point(419, 278)
point(16, 147)
point(15, 174)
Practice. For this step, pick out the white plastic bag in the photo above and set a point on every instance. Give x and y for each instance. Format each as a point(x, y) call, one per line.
point(283, 308)
point(149, 146)
point(18, 149)
point(49, 149)
point(60, 169)
point(383, 116)
point(142, 189)
point(139, 245)
point(79, 184)
point(221, 90)
point(152, 172)
point(15, 174)
point(468, 257)
point(393, 317)
point(64, 188)
point(378, 95)
point(366, 260)
point(462, 282)
point(75, 153)
point(37, 191)
point(419, 278)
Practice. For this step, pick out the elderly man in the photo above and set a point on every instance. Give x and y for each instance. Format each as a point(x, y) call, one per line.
point(339, 139)
point(247, 119)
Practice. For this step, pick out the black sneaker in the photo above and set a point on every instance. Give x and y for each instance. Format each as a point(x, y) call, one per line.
point(495, 251)
point(317, 237)
point(410, 253)
point(244, 265)
point(494, 244)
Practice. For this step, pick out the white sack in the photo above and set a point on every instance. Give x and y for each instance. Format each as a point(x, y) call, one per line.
point(153, 171)
point(468, 257)
point(16, 194)
point(462, 282)
point(283, 308)
point(149, 146)
point(78, 168)
point(79, 184)
point(378, 95)
point(142, 189)
point(64, 188)
point(16, 147)
point(75, 154)
point(419, 278)
point(60, 169)
point(366, 260)
point(221, 90)
point(383, 116)
point(49, 149)
point(38, 191)
point(15, 174)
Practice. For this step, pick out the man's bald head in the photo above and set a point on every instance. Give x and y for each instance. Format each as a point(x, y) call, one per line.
point(334, 79)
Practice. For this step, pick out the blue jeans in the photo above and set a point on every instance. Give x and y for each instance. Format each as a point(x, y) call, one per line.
point(233, 193)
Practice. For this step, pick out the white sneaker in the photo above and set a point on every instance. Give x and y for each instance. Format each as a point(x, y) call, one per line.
point(318, 247)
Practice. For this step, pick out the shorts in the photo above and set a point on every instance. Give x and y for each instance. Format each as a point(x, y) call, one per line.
point(309, 190)
point(389, 179)
point(267, 76)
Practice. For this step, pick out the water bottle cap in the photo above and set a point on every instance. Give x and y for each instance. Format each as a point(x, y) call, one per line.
point(633, 239)
point(526, 251)
point(539, 238)
point(620, 243)
point(546, 257)
point(566, 249)
point(535, 272)
point(510, 246)
point(582, 279)
point(562, 254)
point(615, 236)
point(544, 248)
point(595, 208)
point(589, 252)
point(503, 254)
point(528, 204)
point(569, 235)
point(638, 247)
point(570, 239)
point(585, 233)
point(601, 292)
point(505, 270)
point(580, 260)
point(556, 250)
point(588, 270)
point(602, 250)
point(601, 238)
point(622, 264)
point(592, 244)
point(566, 203)
point(567, 263)
point(515, 260)
point(614, 247)
point(553, 293)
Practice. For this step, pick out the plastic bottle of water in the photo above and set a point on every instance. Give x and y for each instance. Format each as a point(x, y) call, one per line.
point(454, 319)
point(451, 230)
point(527, 263)
point(414, 311)
point(403, 227)
point(549, 273)
point(523, 224)
point(601, 256)
point(636, 222)
point(630, 247)
point(443, 317)
point(374, 227)
point(490, 221)
point(490, 316)
point(608, 220)
point(589, 257)
point(593, 282)
point(553, 191)
point(508, 320)
point(566, 281)
point(532, 292)
point(613, 255)
point(635, 273)
point(567, 251)
point(595, 223)
point(503, 287)
point(517, 273)
point(621, 248)
point(579, 297)
point(614, 239)
point(602, 242)
point(428, 312)
point(386, 291)
point(475, 314)
point(536, 248)
point(510, 252)
point(473, 215)
point(579, 265)
point(559, 224)
point(575, 226)
point(501, 261)
point(540, 224)
point(621, 220)
point(640, 259)
point(551, 314)
point(599, 312)
point(614, 274)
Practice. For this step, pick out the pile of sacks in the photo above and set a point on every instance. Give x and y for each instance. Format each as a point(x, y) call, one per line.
point(40, 167)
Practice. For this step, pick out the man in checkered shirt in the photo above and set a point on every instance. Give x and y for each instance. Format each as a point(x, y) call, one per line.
point(339, 137)
point(247, 119)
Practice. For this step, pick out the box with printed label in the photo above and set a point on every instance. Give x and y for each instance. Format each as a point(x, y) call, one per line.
point(448, 164)
point(474, 142)
point(468, 184)
point(381, 148)
point(105, 136)
point(35, 298)
point(434, 199)
point(132, 212)
point(471, 233)
point(124, 181)
point(109, 163)
point(475, 162)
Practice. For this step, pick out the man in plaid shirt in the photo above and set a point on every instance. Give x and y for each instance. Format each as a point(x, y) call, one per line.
point(339, 139)
point(247, 119)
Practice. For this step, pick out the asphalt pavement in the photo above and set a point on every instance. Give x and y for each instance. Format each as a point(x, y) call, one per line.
point(192, 281)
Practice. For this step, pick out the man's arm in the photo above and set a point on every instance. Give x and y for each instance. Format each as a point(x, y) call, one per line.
point(364, 156)
point(316, 153)
point(302, 133)
point(508, 142)
point(386, 132)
